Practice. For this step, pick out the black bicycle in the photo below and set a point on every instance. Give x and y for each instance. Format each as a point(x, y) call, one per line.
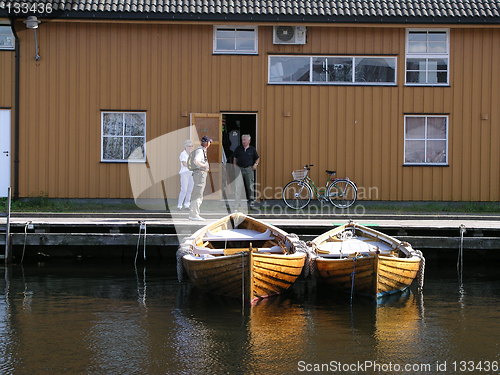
point(341, 192)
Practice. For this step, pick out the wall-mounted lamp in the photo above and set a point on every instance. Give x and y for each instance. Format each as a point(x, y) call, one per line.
point(32, 23)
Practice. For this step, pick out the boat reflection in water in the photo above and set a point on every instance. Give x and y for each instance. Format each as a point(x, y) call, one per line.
point(90, 320)
point(281, 333)
point(228, 338)
point(398, 322)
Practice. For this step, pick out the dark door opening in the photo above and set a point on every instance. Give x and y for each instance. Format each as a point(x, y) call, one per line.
point(234, 125)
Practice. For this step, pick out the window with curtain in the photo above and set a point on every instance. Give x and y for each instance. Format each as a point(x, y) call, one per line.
point(426, 140)
point(427, 57)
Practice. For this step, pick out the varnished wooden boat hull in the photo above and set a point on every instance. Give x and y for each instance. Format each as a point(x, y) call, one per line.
point(373, 275)
point(273, 274)
point(341, 273)
point(393, 274)
point(248, 275)
point(231, 276)
point(221, 275)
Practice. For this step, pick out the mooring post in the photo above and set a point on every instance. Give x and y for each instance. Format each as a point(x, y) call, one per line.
point(8, 248)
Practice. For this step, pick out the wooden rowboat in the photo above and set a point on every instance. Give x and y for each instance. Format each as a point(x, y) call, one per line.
point(239, 256)
point(359, 260)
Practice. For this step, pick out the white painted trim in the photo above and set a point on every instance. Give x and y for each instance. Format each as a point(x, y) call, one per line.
point(5, 129)
point(424, 164)
point(143, 160)
point(255, 51)
point(334, 83)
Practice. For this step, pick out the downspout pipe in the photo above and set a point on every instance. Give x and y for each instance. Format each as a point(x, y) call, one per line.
point(16, 106)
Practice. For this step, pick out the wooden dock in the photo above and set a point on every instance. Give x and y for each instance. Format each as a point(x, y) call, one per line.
point(96, 234)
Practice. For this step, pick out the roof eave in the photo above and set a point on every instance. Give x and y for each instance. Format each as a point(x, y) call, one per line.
point(154, 16)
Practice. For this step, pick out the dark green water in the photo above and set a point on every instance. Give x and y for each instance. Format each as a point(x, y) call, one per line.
point(108, 319)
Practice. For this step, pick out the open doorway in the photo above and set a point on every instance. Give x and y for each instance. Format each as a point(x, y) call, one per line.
point(234, 125)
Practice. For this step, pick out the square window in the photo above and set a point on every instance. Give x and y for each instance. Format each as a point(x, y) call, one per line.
point(426, 140)
point(123, 136)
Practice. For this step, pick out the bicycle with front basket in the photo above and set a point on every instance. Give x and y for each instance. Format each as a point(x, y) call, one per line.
point(341, 192)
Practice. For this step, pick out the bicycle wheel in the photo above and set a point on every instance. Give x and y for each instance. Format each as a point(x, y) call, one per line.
point(297, 194)
point(342, 193)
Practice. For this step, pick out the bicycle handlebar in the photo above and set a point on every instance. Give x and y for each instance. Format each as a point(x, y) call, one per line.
point(308, 166)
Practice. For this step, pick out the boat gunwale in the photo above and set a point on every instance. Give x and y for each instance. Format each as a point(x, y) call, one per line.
point(405, 247)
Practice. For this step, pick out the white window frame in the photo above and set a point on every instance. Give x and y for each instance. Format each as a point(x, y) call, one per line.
point(255, 51)
point(7, 37)
point(445, 163)
point(428, 55)
point(143, 160)
point(334, 83)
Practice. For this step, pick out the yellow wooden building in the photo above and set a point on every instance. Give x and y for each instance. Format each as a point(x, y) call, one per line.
point(403, 97)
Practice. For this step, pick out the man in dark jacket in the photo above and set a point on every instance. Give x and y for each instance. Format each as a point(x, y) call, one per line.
point(247, 159)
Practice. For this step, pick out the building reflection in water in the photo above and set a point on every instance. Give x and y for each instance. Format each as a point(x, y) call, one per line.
point(73, 320)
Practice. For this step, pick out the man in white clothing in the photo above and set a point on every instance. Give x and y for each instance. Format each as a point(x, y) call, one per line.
point(200, 160)
point(186, 177)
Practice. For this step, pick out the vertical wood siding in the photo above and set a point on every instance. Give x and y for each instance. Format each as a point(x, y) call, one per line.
point(170, 71)
point(6, 79)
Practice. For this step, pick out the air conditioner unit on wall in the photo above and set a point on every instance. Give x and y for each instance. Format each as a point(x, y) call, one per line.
point(289, 35)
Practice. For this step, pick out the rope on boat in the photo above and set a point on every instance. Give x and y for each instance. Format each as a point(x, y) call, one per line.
point(294, 240)
point(353, 276)
point(301, 247)
point(181, 251)
point(421, 267)
point(311, 268)
point(421, 270)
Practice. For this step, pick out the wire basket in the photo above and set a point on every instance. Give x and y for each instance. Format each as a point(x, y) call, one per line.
point(299, 174)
